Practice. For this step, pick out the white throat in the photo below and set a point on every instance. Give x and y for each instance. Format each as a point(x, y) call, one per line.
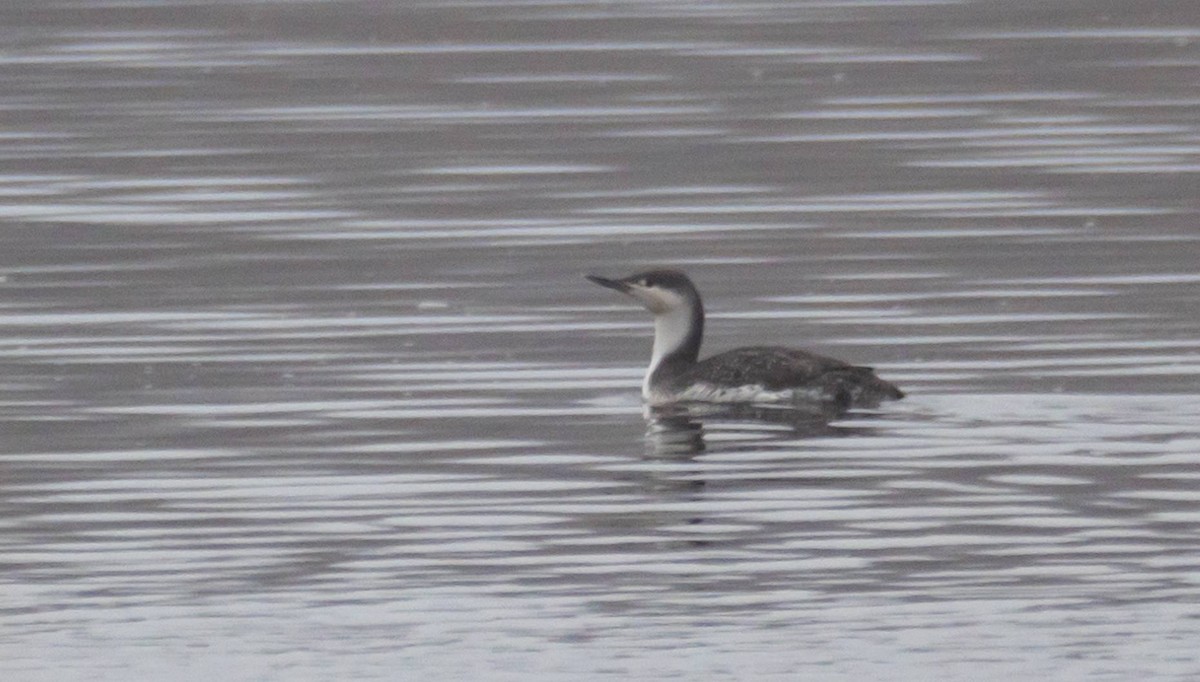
point(671, 329)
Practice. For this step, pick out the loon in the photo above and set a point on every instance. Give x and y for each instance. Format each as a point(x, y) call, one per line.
point(760, 374)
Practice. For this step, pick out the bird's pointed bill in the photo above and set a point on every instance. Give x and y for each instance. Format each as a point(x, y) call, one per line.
point(610, 283)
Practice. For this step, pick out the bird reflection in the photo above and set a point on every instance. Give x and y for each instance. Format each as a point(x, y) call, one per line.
point(675, 437)
point(675, 434)
point(677, 430)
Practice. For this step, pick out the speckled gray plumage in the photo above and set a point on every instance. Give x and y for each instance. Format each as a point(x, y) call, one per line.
point(779, 369)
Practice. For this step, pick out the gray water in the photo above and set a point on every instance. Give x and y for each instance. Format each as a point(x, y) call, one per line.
point(301, 379)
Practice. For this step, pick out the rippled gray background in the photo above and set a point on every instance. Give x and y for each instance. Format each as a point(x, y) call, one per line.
point(301, 379)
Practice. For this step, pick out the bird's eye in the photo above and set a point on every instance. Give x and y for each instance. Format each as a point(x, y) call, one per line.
point(645, 281)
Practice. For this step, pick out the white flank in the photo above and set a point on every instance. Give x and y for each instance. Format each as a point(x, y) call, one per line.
point(711, 393)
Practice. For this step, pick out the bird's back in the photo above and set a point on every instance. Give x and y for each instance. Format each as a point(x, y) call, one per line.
point(776, 374)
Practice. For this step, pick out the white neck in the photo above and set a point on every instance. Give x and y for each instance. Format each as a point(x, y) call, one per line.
point(670, 330)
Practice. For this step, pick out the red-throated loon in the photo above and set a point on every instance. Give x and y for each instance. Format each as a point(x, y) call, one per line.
point(743, 375)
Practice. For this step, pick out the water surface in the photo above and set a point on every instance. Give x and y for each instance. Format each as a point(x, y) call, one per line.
point(301, 377)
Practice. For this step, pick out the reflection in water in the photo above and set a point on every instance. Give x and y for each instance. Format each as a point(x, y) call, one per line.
point(675, 435)
point(678, 429)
